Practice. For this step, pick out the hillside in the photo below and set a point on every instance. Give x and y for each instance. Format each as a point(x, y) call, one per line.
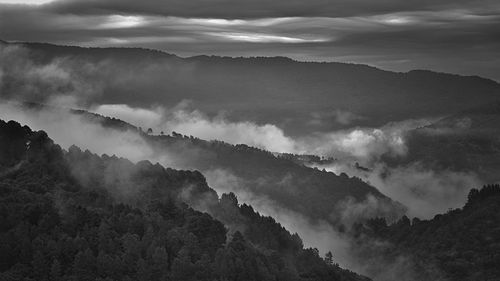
point(301, 97)
point(73, 215)
point(463, 244)
point(464, 141)
point(294, 186)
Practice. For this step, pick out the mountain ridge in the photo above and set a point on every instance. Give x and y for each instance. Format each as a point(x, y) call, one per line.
point(299, 97)
point(235, 58)
point(210, 57)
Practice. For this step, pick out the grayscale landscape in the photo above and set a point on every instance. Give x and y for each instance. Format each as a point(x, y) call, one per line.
point(249, 140)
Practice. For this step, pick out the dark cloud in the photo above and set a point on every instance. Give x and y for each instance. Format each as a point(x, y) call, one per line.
point(231, 9)
point(452, 36)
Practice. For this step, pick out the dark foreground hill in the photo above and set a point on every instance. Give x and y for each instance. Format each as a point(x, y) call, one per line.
point(77, 216)
point(463, 244)
point(301, 97)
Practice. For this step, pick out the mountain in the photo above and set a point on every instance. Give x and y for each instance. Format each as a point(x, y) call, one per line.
point(73, 215)
point(463, 244)
point(301, 97)
point(282, 180)
point(465, 141)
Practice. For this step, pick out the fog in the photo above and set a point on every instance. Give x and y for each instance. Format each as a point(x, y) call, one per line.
point(364, 145)
point(68, 129)
point(181, 118)
point(426, 192)
point(63, 81)
point(319, 234)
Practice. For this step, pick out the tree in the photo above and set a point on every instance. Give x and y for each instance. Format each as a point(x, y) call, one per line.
point(84, 265)
point(182, 267)
point(40, 269)
point(106, 265)
point(329, 258)
point(143, 270)
point(160, 262)
point(105, 237)
point(55, 271)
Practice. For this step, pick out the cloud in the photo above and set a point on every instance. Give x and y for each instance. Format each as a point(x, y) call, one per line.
point(59, 80)
point(230, 9)
point(351, 211)
point(362, 256)
point(364, 145)
point(339, 116)
point(424, 191)
point(264, 38)
point(25, 2)
point(187, 121)
point(396, 35)
point(145, 118)
point(361, 143)
point(319, 234)
point(119, 21)
point(68, 129)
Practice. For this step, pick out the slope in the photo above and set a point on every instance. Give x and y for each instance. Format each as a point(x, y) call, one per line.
point(77, 216)
point(463, 244)
point(466, 141)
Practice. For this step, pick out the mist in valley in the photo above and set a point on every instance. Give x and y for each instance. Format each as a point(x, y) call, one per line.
point(356, 150)
point(424, 192)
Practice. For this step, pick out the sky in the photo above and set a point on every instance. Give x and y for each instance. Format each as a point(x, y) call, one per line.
point(456, 36)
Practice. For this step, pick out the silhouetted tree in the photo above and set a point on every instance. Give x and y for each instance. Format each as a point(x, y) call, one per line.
point(329, 258)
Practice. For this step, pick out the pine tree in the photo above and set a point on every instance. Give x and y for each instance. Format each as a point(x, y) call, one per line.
point(55, 271)
point(329, 258)
point(40, 269)
point(143, 270)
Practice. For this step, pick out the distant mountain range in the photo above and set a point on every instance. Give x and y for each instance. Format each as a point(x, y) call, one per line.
point(300, 97)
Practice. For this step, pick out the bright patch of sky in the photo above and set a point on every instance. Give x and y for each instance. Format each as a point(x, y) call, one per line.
point(26, 2)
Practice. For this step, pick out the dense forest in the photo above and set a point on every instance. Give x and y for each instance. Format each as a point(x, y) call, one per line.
point(462, 244)
point(74, 215)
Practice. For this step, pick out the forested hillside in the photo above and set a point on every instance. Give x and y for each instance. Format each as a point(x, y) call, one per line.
point(468, 141)
point(73, 215)
point(463, 244)
point(309, 191)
